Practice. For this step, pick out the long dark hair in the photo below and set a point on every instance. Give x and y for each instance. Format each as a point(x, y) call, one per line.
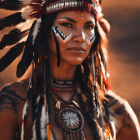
point(84, 76)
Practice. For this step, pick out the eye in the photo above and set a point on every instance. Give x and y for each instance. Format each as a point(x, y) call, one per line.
point(67, 25)
point(89, 27)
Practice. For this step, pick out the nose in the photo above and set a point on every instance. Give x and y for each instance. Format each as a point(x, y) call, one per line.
point(79, 36)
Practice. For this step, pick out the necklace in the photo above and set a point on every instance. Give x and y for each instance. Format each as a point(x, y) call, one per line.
point(68, 116)
point(63, 85)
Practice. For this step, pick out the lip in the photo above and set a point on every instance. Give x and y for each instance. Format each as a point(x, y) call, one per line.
point(78, 50)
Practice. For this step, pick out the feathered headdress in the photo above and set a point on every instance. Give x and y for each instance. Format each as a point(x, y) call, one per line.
point(28, 22)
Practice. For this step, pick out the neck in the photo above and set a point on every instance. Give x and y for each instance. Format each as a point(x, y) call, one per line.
point(64, 72)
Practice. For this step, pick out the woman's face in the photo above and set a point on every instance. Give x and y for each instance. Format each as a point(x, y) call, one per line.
point(75, 36)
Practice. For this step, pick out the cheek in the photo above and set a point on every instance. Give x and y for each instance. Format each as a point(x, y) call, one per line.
point(90, 39)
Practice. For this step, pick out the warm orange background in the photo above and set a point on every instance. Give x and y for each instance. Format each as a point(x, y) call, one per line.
point(124, 50)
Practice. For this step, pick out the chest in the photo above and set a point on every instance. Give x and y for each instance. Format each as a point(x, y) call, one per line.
point(69, 118)
point(57, 129)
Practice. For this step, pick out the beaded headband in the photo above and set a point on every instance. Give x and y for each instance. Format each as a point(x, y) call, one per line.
point(56, 6)
point(38, 7)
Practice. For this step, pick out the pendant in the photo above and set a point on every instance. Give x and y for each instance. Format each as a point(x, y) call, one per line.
point(58, 105)
point(71, 120)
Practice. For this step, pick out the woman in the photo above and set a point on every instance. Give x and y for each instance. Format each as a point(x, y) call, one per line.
point(68, 93)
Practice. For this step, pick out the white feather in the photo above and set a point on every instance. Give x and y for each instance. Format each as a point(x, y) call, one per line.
point(43, 123)
point(26, 11)
point(24, 112)
point(26, 1)
point(38, 99)
point(36, 29)
point(23, 39)
point(22, 132)
point(47, 117)
point(34, 131)
point(25, 25)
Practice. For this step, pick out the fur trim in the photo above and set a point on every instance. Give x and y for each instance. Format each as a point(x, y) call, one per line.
point(36, 29)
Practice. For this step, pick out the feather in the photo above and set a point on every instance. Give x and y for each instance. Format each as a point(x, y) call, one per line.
point(11, 4)
point(23, 39)
point(26, 58)
point(24, 113)
point(36, 29)
point(25, 25)
point(11, 55)
point(38, 118)
point(27, 55)
point(43, 123)
point(34, 137)
point(13, 37)
point(25, 110)
point(26, 1)
point(26, 11)
point(34, 131)
point(11, 20)
point(49, 134)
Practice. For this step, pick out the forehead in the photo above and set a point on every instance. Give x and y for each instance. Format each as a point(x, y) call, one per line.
point(76, 15)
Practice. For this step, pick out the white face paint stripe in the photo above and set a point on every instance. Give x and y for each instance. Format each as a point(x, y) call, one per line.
point(64, 38)
point(68, 37)
point(59, 33)
point(92, 38)
point(89, 41)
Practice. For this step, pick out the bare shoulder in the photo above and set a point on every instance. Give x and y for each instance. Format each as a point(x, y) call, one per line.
point(12, 94)
point(15, 90)
point(12, 99)
point(123, 116)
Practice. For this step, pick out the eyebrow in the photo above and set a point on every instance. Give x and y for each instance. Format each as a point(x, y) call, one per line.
point(69, 19)
point(90, 22)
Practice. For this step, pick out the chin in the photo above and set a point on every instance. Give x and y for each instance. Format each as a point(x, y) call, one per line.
point(75, 61)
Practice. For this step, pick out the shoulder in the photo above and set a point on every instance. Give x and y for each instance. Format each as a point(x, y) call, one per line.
point(122, 115)
point(12, 100)
point(12, 95)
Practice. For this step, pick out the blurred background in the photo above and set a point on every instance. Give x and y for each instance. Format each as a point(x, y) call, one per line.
point(123, 49)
